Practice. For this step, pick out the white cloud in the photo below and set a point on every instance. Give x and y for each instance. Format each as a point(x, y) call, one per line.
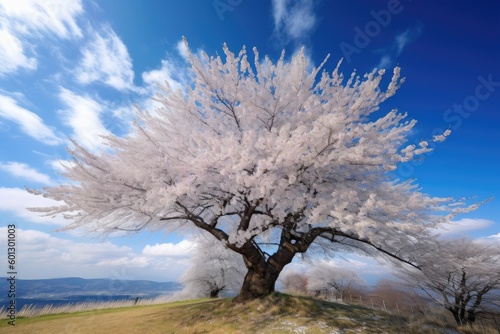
point(29, 122)
point(171, 73)
point(12, 54)
point(105, 59)
point(183, 249)
point(136, 261)
point(403, 39)
point(83, 116)
point(16, 200)
point(37, 17)
point(279, 11)
point(23, 21)
point(24, 171)
point(385, 62)
point(294, 19)
point(182, 49)
point(398, 45)
point(462, 226)
point(493, 238)
point(45, 256)
point(163, 75)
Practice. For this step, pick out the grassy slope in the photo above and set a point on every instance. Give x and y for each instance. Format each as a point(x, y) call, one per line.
point(275, 314)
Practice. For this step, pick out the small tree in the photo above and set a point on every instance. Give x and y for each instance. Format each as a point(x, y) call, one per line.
point(253, 154)
point(294, 282)
point(324, 278)
point(213, 269)
point(461, 275)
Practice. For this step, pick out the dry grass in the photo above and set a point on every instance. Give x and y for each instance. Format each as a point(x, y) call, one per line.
point(275, 314)
point(30, 311)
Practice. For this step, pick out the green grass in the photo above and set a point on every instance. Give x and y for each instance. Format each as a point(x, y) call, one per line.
point(277, 313)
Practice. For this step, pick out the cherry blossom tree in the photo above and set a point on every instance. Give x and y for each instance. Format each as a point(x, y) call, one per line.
point(213, 269)
point(268, 158)
point(462, 275)
point(294, 282)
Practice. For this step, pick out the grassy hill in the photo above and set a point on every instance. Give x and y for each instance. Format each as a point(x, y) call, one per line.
point(276, 314)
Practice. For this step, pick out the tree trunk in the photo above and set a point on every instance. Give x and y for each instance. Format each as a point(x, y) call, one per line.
point(214, 293)
point(457, 317)
point(263, 272)
point(471, 317)
point(462, 316)
point(257, 285)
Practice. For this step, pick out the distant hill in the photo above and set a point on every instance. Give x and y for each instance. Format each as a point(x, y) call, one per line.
point(59, 291)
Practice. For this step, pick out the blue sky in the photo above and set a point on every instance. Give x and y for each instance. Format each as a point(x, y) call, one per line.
point(75, 71)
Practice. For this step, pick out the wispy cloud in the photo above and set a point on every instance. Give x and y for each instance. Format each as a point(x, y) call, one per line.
point(385, 62)
point(183, 249)
point(30, 123)
point(172, 72)
point(494, 238)
point(390, 53)
point(168, 73)
point(21, 22)
point(293, 19)
point(182, 49)
point(12, 54)
point(105, 59)
point(15, 201)
point(21, 170)
point(82, 114)
point(39, 17)
point(461, 227)
point(403, 39)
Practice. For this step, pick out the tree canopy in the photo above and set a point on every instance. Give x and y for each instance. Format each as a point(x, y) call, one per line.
point(267, 157)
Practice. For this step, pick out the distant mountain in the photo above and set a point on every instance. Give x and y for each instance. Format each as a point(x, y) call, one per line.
point(59, 291)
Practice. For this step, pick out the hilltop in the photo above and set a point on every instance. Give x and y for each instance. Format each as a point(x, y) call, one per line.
point(278, 313)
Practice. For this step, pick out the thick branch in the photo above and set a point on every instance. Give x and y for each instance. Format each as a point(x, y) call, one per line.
point(245, 220)
point(200, 222)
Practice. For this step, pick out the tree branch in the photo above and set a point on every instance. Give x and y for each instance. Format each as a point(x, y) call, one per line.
point(368, 242)
point(200, 222)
